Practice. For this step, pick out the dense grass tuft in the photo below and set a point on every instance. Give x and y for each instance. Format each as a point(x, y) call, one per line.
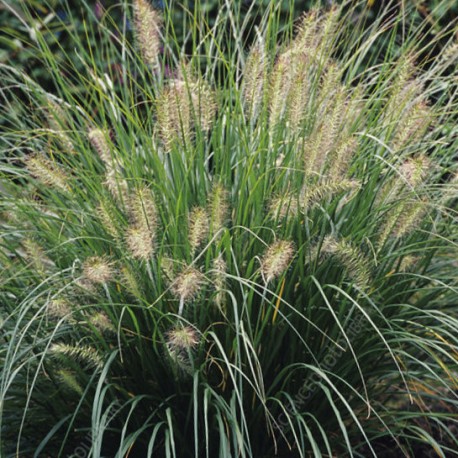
point(249, 251)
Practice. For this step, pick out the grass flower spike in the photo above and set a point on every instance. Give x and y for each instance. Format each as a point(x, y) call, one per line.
point(147, 24)
point(47, 171)
point(181, 343)
point(98, 270)
point(276, 259)
point(98, 139)
point(140, 242)
point(187, 285)
point(198, 227)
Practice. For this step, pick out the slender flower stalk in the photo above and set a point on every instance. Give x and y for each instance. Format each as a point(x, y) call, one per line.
point(35, 254)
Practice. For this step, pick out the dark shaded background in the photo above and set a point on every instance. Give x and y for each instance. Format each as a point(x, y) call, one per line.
point(17, 48)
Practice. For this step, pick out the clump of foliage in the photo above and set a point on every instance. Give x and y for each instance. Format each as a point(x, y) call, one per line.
point(251, 255)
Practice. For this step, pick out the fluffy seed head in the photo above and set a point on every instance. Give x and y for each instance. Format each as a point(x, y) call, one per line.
point(351, 257)
point(83, 355)
point(449, 55)
point(98, 139)
point(36, 255)
point(184, 101)
point(330, 142)
point(408, 262)
point(410, 218)
point(280, 84)
point(316, 31)
point(131, 281)
point(56, 118)
point(55, 115)
point(332, 130)
point(48, 172)
point(68, 379)
point(308, 30)
point(218, 207)
point(313, 194)
point(101, 321)
point(98, 269)
point(187, 284)
point(59, 308)
point(181, 342)
point(140, 242)
point(299, 93)
point(412, 174)
point(413, 125)
point(174, 114)
point(147, 24)
point(198, 227)
point(108, 220)
point(142, 209)
point(168, 267)
point(219, 281)
point(404, 88)
point(115, 183)
point(254, 77)
point(182, 338)
point(414, 171)
point(340, 160)
point(203, 103)
point(283, 206)
point(276, 259)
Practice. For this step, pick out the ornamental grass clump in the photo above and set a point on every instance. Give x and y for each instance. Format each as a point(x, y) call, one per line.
point(250, 250)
